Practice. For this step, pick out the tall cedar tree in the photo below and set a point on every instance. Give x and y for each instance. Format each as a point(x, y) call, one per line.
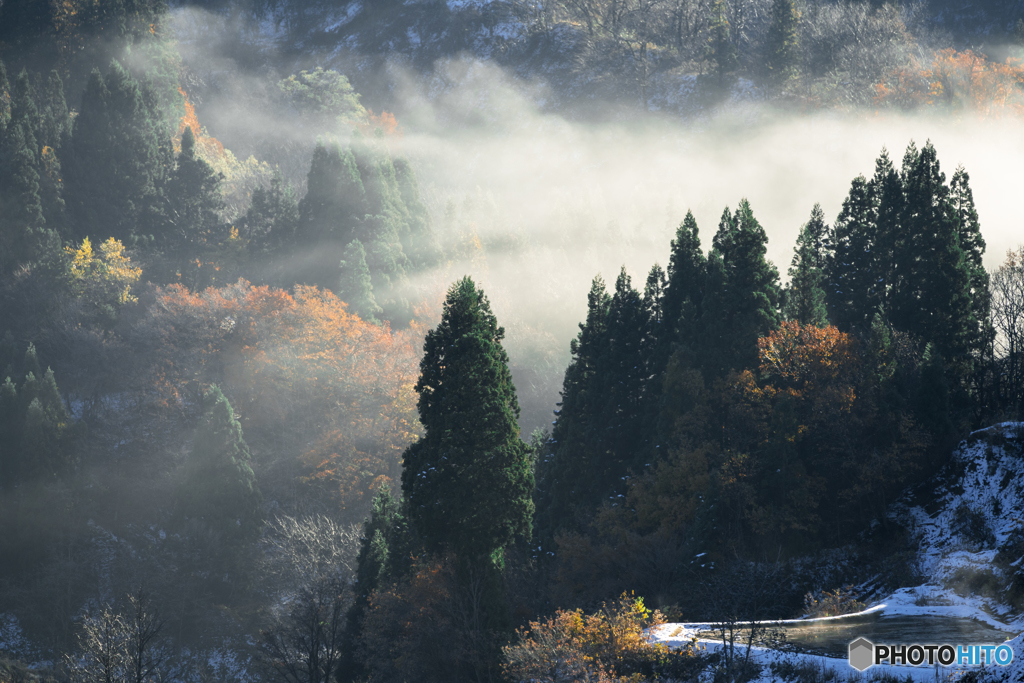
point(935, 300)
point(684, 291)
point(782, 50)
point(117, 160)
point(384, 553)
point(29, 178)
point(468, 481)
point(193, 226)
point(220, 486)
point(562, 486)
point(742, 294)
point(355, 287)
point(720, 51)
point(850, 269)
point(886, 235)
point(805, 294)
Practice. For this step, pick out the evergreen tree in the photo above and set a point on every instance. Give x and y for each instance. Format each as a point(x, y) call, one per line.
point(5, 98)
point(742, 294)
point(220, 486)
point(22, 223)
point(193, 226)
point(117, 160)
point(973, 246)
point(849, 271)
point(269, 225)
point(684, 290)
point(384, 553)
point(721, 52)
point(782, 50)
point(10, 434)
point(355, 287)
point(331, 213)
point(574, 438)
point(420, 244)
point(805, 295)
point(468, 481)
point(887, 198)
point(934, 300)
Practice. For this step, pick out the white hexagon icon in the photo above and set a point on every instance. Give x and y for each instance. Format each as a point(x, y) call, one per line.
point(862, 654)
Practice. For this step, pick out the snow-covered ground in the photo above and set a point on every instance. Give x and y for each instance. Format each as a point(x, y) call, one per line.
point(977, 506)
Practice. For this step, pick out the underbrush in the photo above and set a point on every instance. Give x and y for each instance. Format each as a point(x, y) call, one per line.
point(606, 646)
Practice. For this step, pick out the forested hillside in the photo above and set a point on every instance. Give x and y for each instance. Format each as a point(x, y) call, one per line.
point(300, 375)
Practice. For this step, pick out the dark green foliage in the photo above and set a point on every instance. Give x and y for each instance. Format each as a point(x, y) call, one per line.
point(886, 236)
point(28, 173)
point(269, 225)
point(360, 193)
point(355, 287)
point(685, 288)
point(934, 300)
point(574, 440)
point(36, 434)
point(468, 481)
point(192, 225)
point(384, 556)
point(849, 270)
point(805, 294)
point(741, 296)
point(117, 160)
point(220, 487)
point(782, 49)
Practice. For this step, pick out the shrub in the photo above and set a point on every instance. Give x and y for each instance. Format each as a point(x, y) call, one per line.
point(832, 603)
point(608, 645)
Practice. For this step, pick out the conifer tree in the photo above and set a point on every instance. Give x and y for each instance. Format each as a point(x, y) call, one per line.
point(782, 51)
point(269, 225)
point(721, 52)
point(22, 222)
point(117, 160)
point(742, 295)
point(684, 290)
point(383, 556)
point(468, 481)
point(574, 439)
point(849, 272)
point(10, 433)
point(965, 215)
point(934, 299)
point(331, 213)
point(420, 245)
point(193, 224)
point(5, 97)
point(887, 198)
point(220, 486)
point(355, 287)
point(805, 294)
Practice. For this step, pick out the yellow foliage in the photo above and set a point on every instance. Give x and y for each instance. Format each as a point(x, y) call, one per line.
point(106, 279)
point(608, 645)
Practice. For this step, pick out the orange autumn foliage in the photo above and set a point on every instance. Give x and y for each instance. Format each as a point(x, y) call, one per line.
point(804, 361)
point(960, 80)
point(300, 370)
point(207, 147)
point(385, 122)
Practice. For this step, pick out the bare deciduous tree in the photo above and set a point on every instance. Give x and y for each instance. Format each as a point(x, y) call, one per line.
point(1007, 287)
